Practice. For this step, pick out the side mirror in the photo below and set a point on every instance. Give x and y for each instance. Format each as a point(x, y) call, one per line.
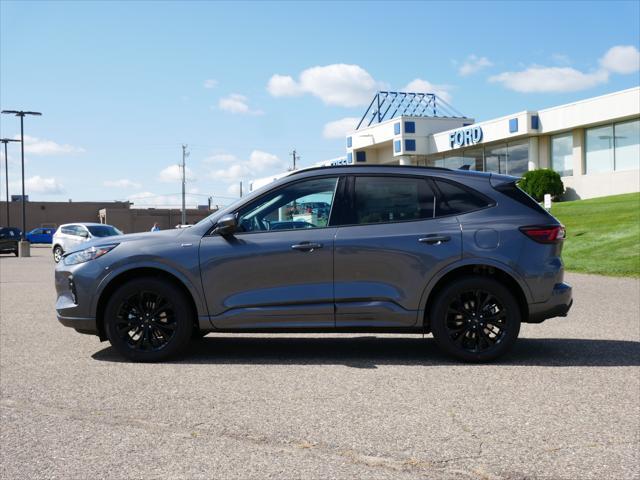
point(227, 225)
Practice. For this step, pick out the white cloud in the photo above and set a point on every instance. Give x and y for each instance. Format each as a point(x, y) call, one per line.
point(424, 86)
point(258, 163)
point(283, 86)
point(339, 128)
point(236, 103)
point(561, 59)
point(474, 64)
point(122, 183)
point(210, 83)
point(540, 79)
point(337, 84)
point(38, 146)
point(38, 184)
point(173, 173)
point(234, 189)
point(621, 59)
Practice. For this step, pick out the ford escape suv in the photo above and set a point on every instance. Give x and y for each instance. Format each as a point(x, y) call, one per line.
point(466, 256)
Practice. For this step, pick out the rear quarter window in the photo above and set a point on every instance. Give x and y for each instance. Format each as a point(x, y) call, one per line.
point(453, 198)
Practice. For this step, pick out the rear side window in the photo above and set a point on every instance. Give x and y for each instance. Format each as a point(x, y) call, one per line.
point(67, 230)
point(455, 199)
point(392, 199)
point(512, 191)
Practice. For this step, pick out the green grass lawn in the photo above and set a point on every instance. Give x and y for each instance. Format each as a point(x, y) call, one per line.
point(603, 234)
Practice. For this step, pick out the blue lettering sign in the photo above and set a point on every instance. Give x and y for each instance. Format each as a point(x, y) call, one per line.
point(465, 137)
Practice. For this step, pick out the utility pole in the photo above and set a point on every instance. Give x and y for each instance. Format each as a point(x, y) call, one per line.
point(23, 247)
point(240, 188)
point(296, 157)
point(185, 154)
point(6, 173)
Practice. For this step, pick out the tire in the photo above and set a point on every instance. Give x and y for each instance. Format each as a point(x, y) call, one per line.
point(16, 252)
point(57, 253)
point(148, 320)
point(475, 319)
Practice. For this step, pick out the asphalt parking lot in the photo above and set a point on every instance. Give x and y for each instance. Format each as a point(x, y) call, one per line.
point(565, 404)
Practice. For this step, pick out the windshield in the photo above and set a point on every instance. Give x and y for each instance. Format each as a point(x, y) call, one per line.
point(103, 230)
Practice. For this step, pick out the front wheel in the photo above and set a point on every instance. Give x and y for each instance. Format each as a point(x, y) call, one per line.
point(57, 253)
point(475, 319)
point(148, 320)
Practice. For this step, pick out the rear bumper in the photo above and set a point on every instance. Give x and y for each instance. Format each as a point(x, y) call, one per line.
point(557, 306)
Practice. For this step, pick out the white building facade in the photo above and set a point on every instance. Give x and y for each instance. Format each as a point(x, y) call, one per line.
point(594, 144)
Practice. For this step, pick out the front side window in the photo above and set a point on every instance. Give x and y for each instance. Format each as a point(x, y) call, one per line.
point(305, 204)
point(392, 199)
point(103, 230)
point(562, 154)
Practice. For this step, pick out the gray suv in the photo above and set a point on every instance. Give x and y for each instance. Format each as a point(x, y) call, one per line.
point(464, 255)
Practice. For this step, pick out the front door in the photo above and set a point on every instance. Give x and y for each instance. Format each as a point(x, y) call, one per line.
point(392, 246)
point(277, 270)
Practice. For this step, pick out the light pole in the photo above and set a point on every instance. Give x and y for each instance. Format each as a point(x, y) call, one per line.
point(6, 173)
point(21, 113)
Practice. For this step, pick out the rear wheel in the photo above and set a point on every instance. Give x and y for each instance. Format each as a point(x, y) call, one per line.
point(148, 320)
point(57, 253)
point(475, 319)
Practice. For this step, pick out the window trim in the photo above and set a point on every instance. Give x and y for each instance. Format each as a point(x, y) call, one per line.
point(350, 197)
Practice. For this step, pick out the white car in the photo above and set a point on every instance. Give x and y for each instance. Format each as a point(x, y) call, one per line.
point(69, 235)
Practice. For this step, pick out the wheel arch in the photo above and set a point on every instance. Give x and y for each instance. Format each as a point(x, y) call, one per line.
point(503, 275)
point(139, 272)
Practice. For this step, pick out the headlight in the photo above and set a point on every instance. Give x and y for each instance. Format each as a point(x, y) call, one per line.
point(87, 254)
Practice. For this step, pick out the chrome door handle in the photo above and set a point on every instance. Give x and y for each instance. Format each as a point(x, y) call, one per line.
point(306, 246)
point(434, 239)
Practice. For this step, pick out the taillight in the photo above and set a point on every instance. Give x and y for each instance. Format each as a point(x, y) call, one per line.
point(545, 234)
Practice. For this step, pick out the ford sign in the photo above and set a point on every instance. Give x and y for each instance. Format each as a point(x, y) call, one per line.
point(465, 137)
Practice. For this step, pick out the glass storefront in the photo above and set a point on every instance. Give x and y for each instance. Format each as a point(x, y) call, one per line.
point(613, 147)
point(509, 159)
point(562, 154)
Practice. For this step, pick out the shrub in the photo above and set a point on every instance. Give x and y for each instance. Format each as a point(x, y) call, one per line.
point(539, 182)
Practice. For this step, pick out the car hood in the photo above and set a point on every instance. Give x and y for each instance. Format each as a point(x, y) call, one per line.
point(159, 237)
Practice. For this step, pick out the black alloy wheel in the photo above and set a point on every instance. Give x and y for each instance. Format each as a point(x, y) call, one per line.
point(148, 319)
point(475, 319)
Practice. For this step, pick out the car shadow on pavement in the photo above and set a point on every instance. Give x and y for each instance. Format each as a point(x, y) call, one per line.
point(371, 352)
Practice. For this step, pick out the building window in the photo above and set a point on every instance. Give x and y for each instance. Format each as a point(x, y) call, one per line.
point(562, 154)
point(535, 122)
point(627, 145)
point(496, 158)
point(474, 158)
point(361, 156)
point(513, 125)
point(518, 158)
point(396, 128)
point(397, 146)
point(410, 145)
point(349, 157)
point(409, 127)
point(599, 149)
point(349, 142)
point(454, 162)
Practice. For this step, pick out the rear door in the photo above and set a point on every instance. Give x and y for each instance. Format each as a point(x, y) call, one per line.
point(388, 250)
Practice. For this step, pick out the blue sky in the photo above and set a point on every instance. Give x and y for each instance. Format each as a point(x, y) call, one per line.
point(123, 84)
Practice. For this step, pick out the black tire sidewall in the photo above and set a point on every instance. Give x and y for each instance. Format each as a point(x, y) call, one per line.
point(182, 310)
point(441, 305)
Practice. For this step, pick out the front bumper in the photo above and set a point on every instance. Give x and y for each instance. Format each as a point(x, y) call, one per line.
point(558, 304)
point(75, 291)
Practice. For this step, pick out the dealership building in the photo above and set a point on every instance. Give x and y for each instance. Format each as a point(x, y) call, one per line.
point(594, 144)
